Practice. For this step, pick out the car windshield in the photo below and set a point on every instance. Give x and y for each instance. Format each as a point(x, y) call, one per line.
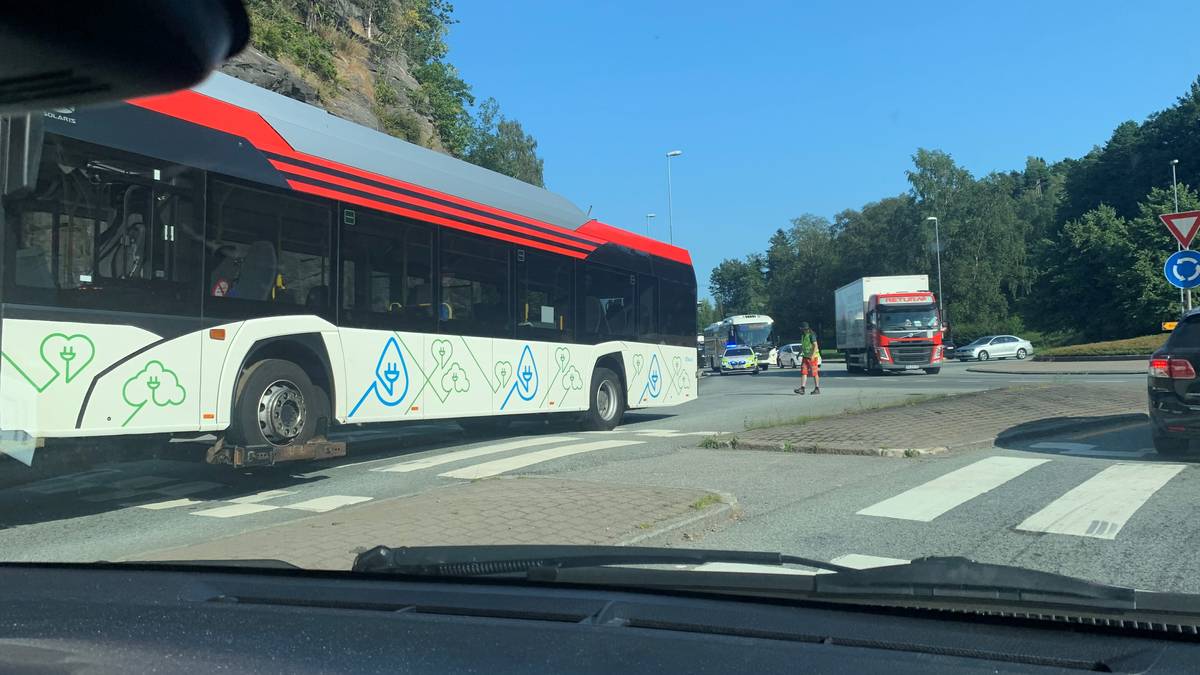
point(397, 249)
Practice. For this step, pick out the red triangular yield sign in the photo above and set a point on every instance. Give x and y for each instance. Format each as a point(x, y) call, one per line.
point(1183, 226)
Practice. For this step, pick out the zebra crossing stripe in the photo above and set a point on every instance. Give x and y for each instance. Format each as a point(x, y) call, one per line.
point(930, 500)
point(1100, 506)
point(471, 453)
point(499, 466)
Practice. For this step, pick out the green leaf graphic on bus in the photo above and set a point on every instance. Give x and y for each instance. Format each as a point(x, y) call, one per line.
point(67, 355)
point(441, 350)
point(455, 379)
point(563, 356)
point(503, 371)
point(153, 384)
point(572, 380)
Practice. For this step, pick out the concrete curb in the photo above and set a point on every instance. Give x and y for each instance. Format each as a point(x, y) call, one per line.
point(707, 520)
point(1097, 358)
point(1048, 429)
point(1073, 371)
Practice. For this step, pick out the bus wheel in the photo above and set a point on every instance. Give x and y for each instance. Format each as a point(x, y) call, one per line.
point(608, 403)
point(277, 405)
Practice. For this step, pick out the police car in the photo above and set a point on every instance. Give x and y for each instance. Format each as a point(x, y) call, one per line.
point(739, 360)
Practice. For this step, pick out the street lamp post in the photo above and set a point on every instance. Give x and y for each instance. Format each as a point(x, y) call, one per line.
point(937, 245)
point(670, 206)
point(649, 217)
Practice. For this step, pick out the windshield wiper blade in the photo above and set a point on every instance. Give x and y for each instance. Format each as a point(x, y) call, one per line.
point(470, 561)
point(958, 577)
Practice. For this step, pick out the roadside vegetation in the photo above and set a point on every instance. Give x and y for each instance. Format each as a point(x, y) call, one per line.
point(1020, 248)
point(1138, 346)
point(330, 43)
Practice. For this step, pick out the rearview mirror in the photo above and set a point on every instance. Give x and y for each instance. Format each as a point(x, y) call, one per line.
point(76, 54)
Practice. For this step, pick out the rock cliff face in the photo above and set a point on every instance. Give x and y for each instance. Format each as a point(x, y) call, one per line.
point(369, 86)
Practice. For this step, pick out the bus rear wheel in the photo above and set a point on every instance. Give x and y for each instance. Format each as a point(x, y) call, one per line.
point(607, 401)
point(277, 404)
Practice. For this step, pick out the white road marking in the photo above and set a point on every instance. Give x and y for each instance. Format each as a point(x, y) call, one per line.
point(863, 562)
point(185, 489)
point(1056, 445)
point(234, 510)
point(438, 460)
point(671, 433)
point(323, 504)
point(174, 503)
point(261, 496)
point(930, 500)
point(499, 466)
point(1100, 506)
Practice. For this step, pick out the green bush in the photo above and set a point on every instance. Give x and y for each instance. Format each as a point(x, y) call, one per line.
point(385, 94)
point(277, 32)
point(1138, 346)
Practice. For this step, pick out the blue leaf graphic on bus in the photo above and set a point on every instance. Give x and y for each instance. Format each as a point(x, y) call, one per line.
point(525, 384)
point(654, 378)
point(391, 378)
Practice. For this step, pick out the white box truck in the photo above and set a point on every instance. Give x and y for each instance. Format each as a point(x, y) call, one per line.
point(889, 323)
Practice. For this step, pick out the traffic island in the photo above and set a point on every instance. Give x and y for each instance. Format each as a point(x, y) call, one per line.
point(941, 425)
point(518, 510)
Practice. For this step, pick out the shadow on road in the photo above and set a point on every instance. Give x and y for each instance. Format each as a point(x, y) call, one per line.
point(178, 470)
point(1112, 437)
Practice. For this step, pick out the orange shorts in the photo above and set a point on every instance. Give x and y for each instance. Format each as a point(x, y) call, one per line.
point(809, 366)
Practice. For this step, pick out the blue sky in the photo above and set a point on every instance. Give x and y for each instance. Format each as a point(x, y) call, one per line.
point(789, 108)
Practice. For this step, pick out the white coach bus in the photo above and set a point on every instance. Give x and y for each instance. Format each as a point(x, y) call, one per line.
point(228, 261)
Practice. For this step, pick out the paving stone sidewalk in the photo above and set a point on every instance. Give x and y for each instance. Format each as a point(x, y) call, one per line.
point(523, 510)
point(958, 422)
point(1121, 367)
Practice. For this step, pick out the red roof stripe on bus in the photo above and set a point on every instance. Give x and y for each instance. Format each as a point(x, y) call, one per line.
point(364, 187)
point(635, 241)
point(362, 173)
point(417, 215)
point(209, 112)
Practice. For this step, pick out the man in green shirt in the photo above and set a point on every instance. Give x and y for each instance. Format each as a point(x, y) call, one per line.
point(810, 360)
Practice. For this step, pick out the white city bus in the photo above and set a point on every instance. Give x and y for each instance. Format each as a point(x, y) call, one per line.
point(756, 331)
point(229, 261)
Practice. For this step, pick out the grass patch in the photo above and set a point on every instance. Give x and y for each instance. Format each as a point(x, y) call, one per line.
point(711, 442)
point(643, 526)
point(706, 501)
point(779, 421)
point(1138, 346)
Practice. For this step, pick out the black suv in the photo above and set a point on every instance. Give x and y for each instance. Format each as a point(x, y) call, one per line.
point(1174, 390)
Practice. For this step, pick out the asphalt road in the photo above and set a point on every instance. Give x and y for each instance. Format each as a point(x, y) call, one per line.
point(804, 504)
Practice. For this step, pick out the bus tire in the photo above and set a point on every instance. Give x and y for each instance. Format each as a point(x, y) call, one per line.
point(607, 401)
point(277, 404)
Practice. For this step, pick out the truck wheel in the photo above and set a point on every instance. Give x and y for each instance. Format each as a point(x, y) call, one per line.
point(276, 404)
point(608, 401)
point(933, 371)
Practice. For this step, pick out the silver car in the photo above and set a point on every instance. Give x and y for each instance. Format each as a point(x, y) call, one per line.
point(995, 347)
point(788, 356)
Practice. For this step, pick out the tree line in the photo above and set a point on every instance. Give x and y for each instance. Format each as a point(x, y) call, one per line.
point(1069, 251)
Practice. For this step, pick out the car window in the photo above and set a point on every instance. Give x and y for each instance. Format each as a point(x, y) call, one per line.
point(741, 351)
point(1186, 334)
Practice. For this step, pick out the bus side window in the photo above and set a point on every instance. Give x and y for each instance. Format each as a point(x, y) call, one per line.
point(387, 273)
point(608, 302)
point(544, 282)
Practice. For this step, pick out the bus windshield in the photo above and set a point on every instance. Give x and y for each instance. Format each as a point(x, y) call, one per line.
point(752, 334)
